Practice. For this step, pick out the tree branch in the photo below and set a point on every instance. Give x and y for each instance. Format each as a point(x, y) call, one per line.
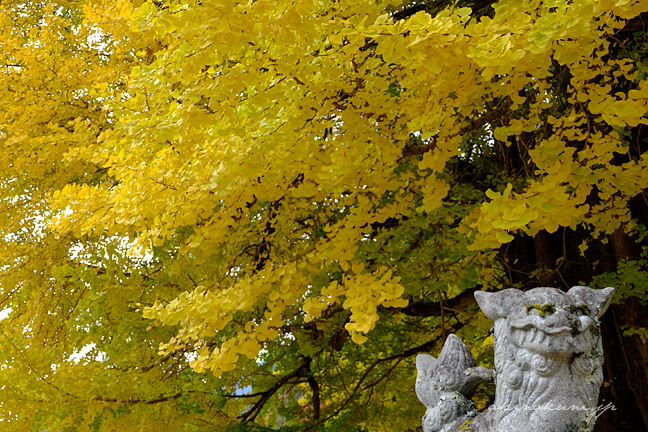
point(249, 395)
point(427, 346)
point(408, 12)
point(488, 117)
point(251, 414)
point(426, 309)
point(312, 382)
point(134, 401)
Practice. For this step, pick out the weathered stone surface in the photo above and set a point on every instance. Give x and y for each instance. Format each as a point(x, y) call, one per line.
point(445, 385)
point(548, 358)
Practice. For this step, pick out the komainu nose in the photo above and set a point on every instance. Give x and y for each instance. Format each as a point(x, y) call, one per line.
point(556, 320)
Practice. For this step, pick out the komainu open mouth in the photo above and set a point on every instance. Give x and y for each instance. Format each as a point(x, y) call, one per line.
point(535, 336)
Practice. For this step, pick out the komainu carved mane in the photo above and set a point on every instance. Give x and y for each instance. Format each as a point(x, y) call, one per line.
point(548, 358)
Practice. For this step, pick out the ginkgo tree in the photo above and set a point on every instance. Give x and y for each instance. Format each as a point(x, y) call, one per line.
point(253, 215)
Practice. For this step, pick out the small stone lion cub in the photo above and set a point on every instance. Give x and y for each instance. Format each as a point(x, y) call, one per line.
point(445, 385)
point(548, 358)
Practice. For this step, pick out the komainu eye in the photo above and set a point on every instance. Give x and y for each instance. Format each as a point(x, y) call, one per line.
point(580, 310)
point(541, 309)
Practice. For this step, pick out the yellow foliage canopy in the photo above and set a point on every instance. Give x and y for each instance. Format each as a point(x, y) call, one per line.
point(254, 174)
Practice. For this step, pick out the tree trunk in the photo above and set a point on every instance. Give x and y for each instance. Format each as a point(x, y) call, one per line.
point(624, 370)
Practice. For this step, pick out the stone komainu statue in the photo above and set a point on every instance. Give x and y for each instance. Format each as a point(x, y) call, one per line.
point(548, 358)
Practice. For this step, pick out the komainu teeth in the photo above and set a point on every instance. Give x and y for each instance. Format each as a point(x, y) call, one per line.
point(543, 338)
